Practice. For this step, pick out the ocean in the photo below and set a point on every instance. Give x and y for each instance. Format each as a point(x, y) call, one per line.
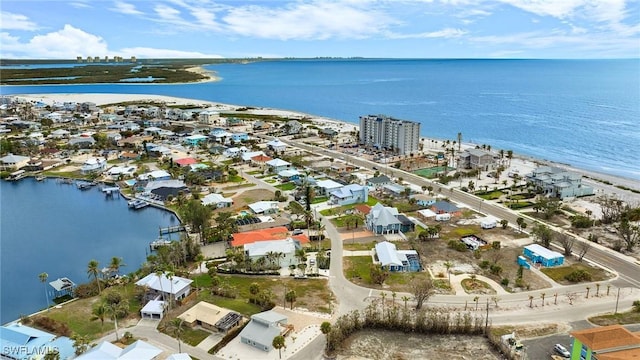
point(57, 228)
point(584, 113)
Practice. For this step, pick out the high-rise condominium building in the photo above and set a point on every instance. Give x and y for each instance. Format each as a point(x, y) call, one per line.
point(384, 132)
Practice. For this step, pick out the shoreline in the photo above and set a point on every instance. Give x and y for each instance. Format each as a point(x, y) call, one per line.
point(113, 98)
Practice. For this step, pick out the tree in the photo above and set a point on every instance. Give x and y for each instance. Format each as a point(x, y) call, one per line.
point(80, 343)
point(176, 326)
point(629, 233)
point(52, 354)
point(291, 297)
point(542, 234)
point(325, 328)
point(254, 289)
point(115, 265)
point(94, 270)
point(99, 312)
point(378, 274)
point(278, 343)
point(504, 223)
point(567, 243)
point(583, 249)
point(116, 307)
point(422, 290)
point(43, 279)
point(448, 265)
point(520, 222)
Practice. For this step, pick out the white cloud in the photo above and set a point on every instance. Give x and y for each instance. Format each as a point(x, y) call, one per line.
point(126, 8)
point(556, 8)
point(144, 52)
point(444, 33)
point(167, 13)
point(66, 43)
point(11, 21)
point(80, 5)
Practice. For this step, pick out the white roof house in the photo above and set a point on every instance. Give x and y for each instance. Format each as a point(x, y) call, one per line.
point(277, 165)
point(139, 350)
point(327, 186)
point(93, 164)
point(264, 207)
point(154, 175)
point(16, 161)
point(261, 248)
point(154, 310)
point(217, 200)
point(249, 154)
point(177, 286)
point(392, 258)
point(277, 145)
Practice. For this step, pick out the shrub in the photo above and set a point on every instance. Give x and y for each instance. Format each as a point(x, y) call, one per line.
point(457, 245)
point(581, 222)
point(51, 325)
point(87, 290)
point(484, 264)
point(578, 276)
point(505, 282)
point(496, 269)
point(636, 306)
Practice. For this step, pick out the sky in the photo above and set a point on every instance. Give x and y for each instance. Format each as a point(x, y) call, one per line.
point(55, 29)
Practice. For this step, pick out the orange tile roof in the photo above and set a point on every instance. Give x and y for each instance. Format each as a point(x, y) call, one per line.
point(186, 161)
point(607, 337)
point(275, 233)
point(363, 208)
point(261, 158)
point(631, 354)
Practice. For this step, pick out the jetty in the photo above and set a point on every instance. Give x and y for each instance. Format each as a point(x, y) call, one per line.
point(154, 245)
point(172, 229)
point(136, 204)
point(110, 190)
point(16, 175)
point(41, 178)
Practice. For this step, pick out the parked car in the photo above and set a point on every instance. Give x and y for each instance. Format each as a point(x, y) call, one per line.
point(561, 350)
point(297, 232)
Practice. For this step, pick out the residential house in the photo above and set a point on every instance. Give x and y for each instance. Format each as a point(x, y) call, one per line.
point(83, 142)
point(209, 117)
point(20, 342)
point(246, 156)
point(118, 172)
point(277, 145)
point(11, 161)
point(184, 162)
point(239, 137)
point(60, 134)
point(396, 260)
point(382, 220)
point(477, 159)
point(217, 200)
point(427, 214)
point(139, 350)
point(260, 160)
point(394, 189)
point(174, 287)
point(378, 182)
point(328, 133)
point(274, 233)
point(264, 207)
point(262, 328)
point(541, 255)
point(613, 342)
point(277, 165)
point(195, 140)
point(261, 125)
point(292, 127)
point(349, 194)
point(289, 175)
point(114, 137)
point(94, 165)
point(211, 317)
point(154, 309)
point(423, 200)
point(558, 183)
point(128, 156)
point(233, 121)
point(326, 187)
point(235, 151)
point(406, 225)
point(285, 248)
point(445, 207)
point(156, 175)
point(161, 190)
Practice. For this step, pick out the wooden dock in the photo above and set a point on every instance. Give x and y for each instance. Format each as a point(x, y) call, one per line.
point(172, 229)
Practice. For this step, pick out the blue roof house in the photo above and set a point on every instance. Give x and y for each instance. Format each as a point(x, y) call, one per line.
point(349, 194)
point(239, 137)
point(195, 140)
point(383, 220)
point(541, 255)
point(21, 342)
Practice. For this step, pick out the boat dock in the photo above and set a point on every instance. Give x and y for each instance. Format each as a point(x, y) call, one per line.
point(154, 245)
point(136, 204)
point(172, 229)
point(109, 191)
point(16, 175)
point(84, 185)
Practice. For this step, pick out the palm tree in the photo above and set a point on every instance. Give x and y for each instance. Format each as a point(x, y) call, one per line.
point(177, 328)
point(160, 274)
point(405, 299)
point(116, 310)
point(43, 279)
point(93, 270)
point(448, 265)
point(99, 312)
point(170, 275)
point(325, 328)
point(116, 264)
point(278, 343)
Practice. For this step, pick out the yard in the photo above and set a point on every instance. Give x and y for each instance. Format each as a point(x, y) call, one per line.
point(559, 273)
point(357, 270)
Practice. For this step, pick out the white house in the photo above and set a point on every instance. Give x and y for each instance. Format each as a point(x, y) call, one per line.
point(349, 194)
point(217, 200)
point(155, 175)
point(209, 117)
point(153, 310)
point(246, 156)
point(177, 287)
point(277, 165)
point(11, 161)
point(397, 260)
point(264, 207)
point(326, 187)
point(60, 134)
point(262, 328)
point(139, 350)
point(277, 145)
point(286, 250)
point(116, 171)
point(94, 165)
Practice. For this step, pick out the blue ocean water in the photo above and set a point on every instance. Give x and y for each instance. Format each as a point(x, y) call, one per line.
point(57, 228)
point(580, 112)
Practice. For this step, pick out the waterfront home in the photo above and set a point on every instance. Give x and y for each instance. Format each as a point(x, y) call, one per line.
point(116, 172)
point(477, 159)
point(175, 287)
point(541, 255)
point(155, 175)
point(277, 145)
point(262, 328)
point(285, 250)
point(273, 233)
point(93, 165)
point(20, 342)
point(558, 183)
point(139, 350)
point(277, 165)
point(264, 207)
point(217, 200)
point(211, 317)
point(161, 190)
point(382, 220)
point(349, 194)
point(11, 161)
point(613, 342)
point(392, 259)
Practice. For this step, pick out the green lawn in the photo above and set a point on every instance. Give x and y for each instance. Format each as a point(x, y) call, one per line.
point(236, 179)
point(286, 186)
point(255, 172)
point(357, 268)
point(491, 195)
point(432, 171)
point(342, 221)
point(622, 318)
point(558, 273)
point(193, 337)
point(319, 199)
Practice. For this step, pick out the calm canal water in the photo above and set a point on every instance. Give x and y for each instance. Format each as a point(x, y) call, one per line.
point(56, 228)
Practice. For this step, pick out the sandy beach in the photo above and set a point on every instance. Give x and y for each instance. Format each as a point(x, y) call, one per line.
point(112, 98)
